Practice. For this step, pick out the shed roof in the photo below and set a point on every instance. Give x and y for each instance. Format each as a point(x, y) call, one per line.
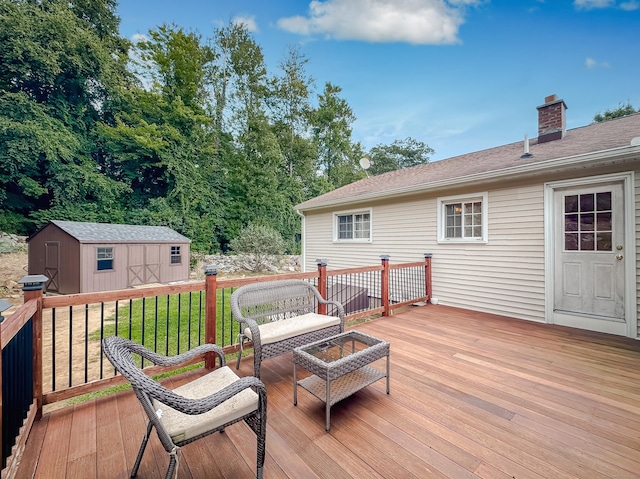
point(611, 138)
point(116, 233)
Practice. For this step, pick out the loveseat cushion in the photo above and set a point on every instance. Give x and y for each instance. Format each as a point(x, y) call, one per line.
point(275, 331)
point(182, 427)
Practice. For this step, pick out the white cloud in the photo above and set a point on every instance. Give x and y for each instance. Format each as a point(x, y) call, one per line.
point(630, 6)
point(248, 22)
point(409, 21)
point(138, 37)
point(591, 63)
point(590, 4)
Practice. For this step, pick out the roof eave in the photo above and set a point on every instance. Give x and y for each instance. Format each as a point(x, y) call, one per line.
point(602, 158)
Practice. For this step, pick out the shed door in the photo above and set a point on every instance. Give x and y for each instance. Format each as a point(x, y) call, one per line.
point(52, 265)
point(135, 265)
point(589, 258)
point(143, 264)
point(152, 263)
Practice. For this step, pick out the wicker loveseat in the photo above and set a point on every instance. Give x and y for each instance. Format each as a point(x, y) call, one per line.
point(278, 316)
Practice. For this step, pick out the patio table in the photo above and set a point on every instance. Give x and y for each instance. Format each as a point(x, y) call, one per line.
point(340, 366)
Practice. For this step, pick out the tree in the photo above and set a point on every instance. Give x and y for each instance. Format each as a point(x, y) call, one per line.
point(331, 122)
point(60, 72)
point(162, 143)
point(399, 155)
point(178, 62)
point(622, 110)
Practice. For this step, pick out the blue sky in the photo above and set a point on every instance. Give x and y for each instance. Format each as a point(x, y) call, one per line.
point(458, 75)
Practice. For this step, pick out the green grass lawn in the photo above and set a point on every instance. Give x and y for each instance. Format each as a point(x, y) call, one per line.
point(171, 324)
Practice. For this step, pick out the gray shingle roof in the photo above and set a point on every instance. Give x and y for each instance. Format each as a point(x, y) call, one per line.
point(597, 137)
point(106, 232)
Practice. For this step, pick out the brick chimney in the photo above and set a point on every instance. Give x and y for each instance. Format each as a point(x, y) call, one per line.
point(552, 123)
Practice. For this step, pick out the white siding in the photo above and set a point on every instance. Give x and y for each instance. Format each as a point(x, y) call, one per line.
point(504, 276)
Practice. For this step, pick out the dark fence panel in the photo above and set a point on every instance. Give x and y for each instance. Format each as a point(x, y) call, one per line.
point(17, 386)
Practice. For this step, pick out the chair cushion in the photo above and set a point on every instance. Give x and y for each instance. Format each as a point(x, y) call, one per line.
point(288, 328)
point(182, 427)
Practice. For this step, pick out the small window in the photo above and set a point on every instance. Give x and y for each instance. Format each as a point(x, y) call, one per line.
point(463, 219)
point(354, 226)
point(588, 222)
point(104, 257)
point(176, 257)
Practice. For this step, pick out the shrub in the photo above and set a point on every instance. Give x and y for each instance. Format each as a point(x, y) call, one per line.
point(256, 245)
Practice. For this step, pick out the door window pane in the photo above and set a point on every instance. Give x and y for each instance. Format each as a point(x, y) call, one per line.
point(604, 242)
point(586, 242)
point(588, 222)
point(586, 202)
point(571, 204)
point(571, 241)
point(603, 201)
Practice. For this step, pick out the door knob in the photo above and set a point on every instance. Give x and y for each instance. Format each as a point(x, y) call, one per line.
point(619, 257)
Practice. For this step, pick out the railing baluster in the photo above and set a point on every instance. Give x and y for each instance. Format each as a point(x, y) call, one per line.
point(70, 353)
point(166, 328)
point(86, 343)
point(200, 309)
point(142, 335)
point(101, 337)
point(179, 320)
point(53, 349)
point(189, 322)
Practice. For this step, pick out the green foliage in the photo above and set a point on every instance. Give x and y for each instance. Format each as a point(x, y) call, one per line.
point(194, 134)
point(400, 154)
point(332, 134)
point(622, 110)
point(257, 243)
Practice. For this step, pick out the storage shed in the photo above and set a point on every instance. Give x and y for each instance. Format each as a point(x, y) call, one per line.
point(82, 257)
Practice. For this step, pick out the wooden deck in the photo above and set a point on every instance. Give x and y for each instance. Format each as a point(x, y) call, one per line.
point(472, 396)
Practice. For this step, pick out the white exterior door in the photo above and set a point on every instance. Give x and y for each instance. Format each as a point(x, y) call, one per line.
point(589, 257)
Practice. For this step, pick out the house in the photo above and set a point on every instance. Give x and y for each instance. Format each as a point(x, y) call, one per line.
point(88, 257)
point(543, 230)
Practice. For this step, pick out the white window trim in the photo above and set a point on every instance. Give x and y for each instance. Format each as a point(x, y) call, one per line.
point(336, 228)
point(113, 259)
point(444, 200)
point(171, 255)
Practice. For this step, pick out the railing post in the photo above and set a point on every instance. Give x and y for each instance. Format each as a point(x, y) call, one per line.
point(32, 288)
point(211, 289)
point(384, 285)
point(427, 275)
point(322, 283)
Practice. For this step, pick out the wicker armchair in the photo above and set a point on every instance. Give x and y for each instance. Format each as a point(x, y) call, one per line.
point(196, 409)
point(278, 316)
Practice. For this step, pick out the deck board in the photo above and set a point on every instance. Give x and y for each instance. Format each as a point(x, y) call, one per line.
point(473, 395)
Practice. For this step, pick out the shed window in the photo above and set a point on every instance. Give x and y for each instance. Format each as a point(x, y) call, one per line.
point(463, 218)
point(176, 256)
point(352, 226)
point(105, 258)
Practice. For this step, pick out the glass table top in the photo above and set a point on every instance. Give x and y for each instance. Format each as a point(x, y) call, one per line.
point(338, 347)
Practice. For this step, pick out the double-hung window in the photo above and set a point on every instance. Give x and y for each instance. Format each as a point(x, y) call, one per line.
point(463, 219)
point(104, 257)
point(176, 256)
point(352, 226)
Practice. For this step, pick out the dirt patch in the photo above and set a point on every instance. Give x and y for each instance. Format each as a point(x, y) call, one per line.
point(13, 267)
